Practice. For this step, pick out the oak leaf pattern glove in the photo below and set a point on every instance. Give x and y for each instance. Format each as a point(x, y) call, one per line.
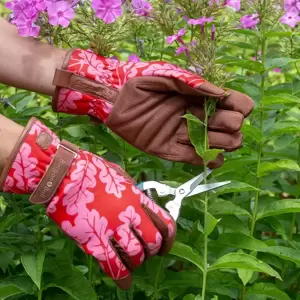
point(93, 201)
point(144, 103)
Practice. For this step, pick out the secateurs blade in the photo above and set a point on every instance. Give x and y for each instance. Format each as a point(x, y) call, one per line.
point(189, 188)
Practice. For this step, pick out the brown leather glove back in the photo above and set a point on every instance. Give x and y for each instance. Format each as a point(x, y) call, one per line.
point(148, 114)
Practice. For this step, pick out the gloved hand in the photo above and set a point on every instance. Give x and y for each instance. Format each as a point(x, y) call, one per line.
point(144, 103)
point(94, 201)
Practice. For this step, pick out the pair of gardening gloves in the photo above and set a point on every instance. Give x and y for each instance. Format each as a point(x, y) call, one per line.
point(94, 201)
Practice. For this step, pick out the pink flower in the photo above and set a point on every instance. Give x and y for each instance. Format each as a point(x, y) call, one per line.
point(290, 18)
point(277, 70)
point(134, 58)
point(39, 5)
point(181, 49)
point(200, 21)
point(249, 21)
point(25, 9)
point(60, 13)
point(213, 32)
point(290, 4)
point(177, 36)
point(141, 7)
point(107, 10)
point(235, 4)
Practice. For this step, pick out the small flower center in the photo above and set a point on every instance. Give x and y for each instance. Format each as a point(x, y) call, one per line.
point(60, 13)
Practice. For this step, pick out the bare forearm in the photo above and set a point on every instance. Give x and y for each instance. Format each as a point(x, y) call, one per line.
point(9, 135)
point(26, 63)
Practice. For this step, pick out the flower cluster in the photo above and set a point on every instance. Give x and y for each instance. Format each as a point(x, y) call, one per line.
point(291, 16)
point(26, 13)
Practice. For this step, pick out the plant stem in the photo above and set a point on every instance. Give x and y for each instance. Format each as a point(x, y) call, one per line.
point(205, 205)
point(157, 278)
point(297, 196)
point(40, 294)
point(90, 268)
point(261, 116)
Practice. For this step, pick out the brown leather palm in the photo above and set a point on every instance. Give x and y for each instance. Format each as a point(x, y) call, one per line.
point(147, 112)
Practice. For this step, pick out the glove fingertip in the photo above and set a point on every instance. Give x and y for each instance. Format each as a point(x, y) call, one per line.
point(167, 231)
point(124, 283)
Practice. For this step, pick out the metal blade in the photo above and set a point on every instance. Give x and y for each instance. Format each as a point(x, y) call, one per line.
point(186, 188)
point(207, 187)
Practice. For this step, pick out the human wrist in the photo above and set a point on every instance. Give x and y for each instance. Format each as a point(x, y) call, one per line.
point(10, 133)
point(22, 171)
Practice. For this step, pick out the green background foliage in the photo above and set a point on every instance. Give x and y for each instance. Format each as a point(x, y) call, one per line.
point(242, 242)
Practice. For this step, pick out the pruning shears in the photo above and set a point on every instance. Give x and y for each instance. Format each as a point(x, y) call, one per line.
point(189, 188)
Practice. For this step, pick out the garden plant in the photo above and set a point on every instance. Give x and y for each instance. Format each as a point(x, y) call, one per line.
point(241, 241)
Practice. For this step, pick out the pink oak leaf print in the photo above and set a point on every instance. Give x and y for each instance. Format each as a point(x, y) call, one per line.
point(93, 64)
point(100, 109)
point(169, 70)
point(129, 241)
point(67, 99)
point(51, 209)
point(83, 178)
point(130, 216)
point(91, 229)
point(112, 180)
point(154, 247)
point(25, 169)
point(9, 183)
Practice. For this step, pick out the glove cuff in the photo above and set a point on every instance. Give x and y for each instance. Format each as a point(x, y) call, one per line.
point(37, 164)
point(84, 85)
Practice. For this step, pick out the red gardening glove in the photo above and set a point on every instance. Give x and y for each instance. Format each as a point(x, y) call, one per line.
point(94, 201)
point(144, 103)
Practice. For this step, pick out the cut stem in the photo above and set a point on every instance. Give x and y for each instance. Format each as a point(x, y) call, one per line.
point(261, 117)
point(206, 109)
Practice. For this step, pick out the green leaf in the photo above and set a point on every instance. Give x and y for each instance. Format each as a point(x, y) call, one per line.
point(243, 63)
point(284, 127)
point(7, 247)
point(6, 258)
point(60, 266)
point(235, 187)
point(192, 118)
point(223, 207)
point(279, 33)
point(186, 252)
point(189, 297)
point(245, 275)
point(211, 154)
point(15, 285)
point(196, 134)
point(241, 241)
point(267, 167)
point(33, 265)
point(210, 224)
point(234, 223)
point(247, 32)
point(267, 289)
point(284, 253)
point(280, 99)
point(23, 103)
point(9, 221)
point(279, 207)
point(76, 286)
point(279, 62)
point(252, 132)
point(125, 295)
point(243, 261)
point(34, 111)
